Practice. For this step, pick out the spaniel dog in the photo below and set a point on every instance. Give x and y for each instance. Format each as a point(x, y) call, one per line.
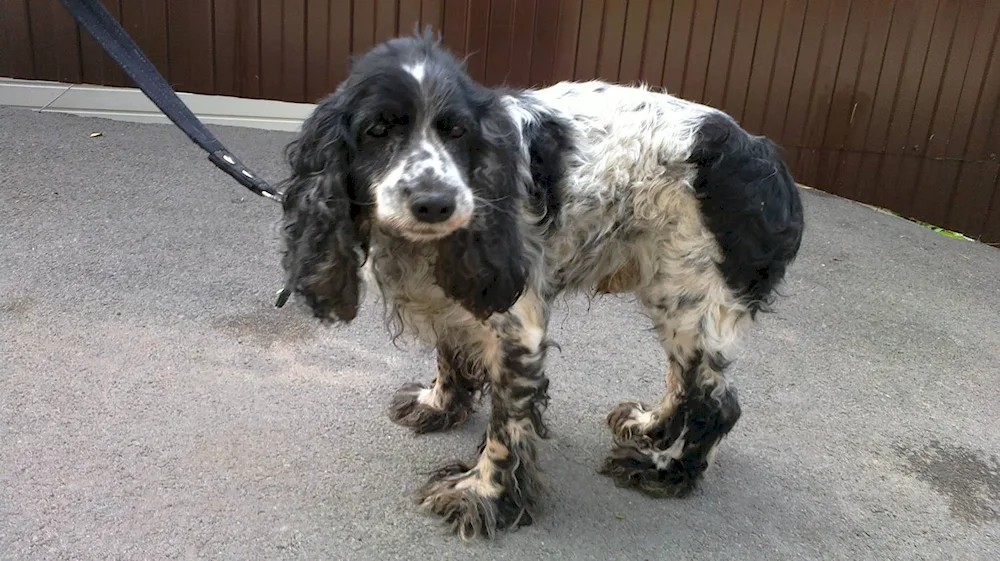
point(471, 208)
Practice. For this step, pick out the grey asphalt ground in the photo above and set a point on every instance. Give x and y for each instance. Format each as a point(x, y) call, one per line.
point(154, 405)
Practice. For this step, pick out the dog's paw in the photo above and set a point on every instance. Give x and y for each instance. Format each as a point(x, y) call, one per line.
point(629, 422)
point(422, 409)
point(470, 503)
point(651, 472)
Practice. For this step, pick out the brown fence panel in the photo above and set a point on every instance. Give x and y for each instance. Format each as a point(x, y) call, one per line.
point(890, 102)
point(741, 62)
point(96, 66)
point(55, 41)
point(991, 230)
point(866, 105)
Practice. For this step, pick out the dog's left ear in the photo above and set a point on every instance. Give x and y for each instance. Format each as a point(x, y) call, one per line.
point(325, 227)
point(483, 265)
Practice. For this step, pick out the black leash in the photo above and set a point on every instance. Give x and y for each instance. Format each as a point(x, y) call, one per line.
point(95, 18)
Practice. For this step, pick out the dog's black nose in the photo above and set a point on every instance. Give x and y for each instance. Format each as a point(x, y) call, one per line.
point(432, 207)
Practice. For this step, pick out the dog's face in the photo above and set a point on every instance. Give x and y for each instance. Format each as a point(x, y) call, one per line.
point(416, 140)
point(415, 153)
point(410, 145)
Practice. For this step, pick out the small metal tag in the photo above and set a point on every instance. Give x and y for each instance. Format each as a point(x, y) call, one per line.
point(282, 297)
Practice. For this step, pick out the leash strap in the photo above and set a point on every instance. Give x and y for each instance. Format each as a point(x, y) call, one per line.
point(92, 15)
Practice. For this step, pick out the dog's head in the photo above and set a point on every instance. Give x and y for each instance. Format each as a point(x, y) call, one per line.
point(409, 144)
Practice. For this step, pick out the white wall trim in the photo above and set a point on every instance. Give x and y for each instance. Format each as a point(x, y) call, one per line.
point(130, 104)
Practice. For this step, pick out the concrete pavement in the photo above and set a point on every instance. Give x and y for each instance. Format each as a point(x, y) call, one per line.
point(154, 405)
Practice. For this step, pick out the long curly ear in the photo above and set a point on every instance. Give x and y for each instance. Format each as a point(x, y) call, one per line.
point(483, 266)
point(324, 226)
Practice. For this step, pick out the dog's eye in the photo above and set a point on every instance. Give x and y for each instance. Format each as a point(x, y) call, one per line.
point(456, 131)
point(378, 130)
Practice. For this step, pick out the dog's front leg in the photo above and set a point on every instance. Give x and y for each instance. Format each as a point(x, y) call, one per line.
point(500, 487)
point(446, 402)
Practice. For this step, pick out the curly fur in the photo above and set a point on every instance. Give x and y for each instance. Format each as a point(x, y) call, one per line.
point(471, 208)
point(326, 218)
point(482, 266)
point(425, 408)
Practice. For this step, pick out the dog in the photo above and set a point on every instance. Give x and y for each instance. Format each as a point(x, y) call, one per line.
point(471, 208)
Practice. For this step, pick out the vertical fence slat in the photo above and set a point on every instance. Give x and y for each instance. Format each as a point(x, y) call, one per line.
point(56, 41)
point(699, 49)
point(779, 96)
point(477, 32)
point(971, 203)
point(991, 228)
point(249, 50)
point(788, 83)
point(980, 87)
point(879, 18)
point(808, 90)
point(720, 53)
point(612, 37)
point(146, 22)
point(741, 63)
point(858, 38)
point(385, 19)
point(804, 79)
point(763, 65)
point(409, 16)
point(890, 194)
point(963, 75)
point(567, 34)
point(936, 183)
point(190, 48)
point(317, 37)
point(824, 91)
point(973, 192)
point(270, 50)
point(916, 171)
point(982, 143)
point(16, 51)
point(874, 143)
point(522, 47)
point(637, 22)
point(363, 27)
point(455, 18)
point(678, 38)
point(992, 145)
point(432, 14)
point(338, 46)
point(225, 46)
point(974, 186)
point(498, 46)
point(477, 36)
point(589, 46)
point(293, 46)
point(97, 66)
point(545, 43)
point(655, 45)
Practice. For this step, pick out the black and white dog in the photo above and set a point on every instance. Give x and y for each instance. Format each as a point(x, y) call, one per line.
point(470, 209)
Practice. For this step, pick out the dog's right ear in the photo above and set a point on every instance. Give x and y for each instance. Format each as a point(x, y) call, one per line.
point(325, 230)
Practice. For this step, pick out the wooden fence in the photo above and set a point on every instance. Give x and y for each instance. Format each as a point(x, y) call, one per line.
point(890, 102)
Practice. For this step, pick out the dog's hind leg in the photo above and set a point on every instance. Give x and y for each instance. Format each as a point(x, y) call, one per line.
point(499, 488)
point(447, 401)
point(664, 450)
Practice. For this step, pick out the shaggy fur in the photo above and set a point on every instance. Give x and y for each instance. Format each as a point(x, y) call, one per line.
point(470, 209)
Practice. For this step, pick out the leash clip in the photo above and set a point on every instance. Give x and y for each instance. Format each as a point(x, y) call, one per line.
point(283, 295)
